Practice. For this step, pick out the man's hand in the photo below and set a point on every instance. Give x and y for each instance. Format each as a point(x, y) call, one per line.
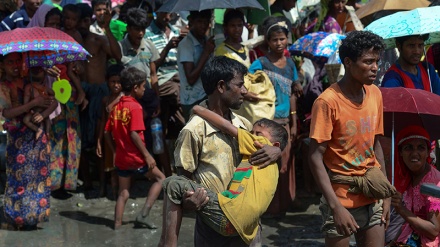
point(297, 90)
point(195, 200)
point(173, 43)
point(54, 71)
point(386, 212)
point(98, 150)
point(344, 221)
point(156, 112)
point(251, 97)
point(106, 18)
point(209, 45)
point(264, 155)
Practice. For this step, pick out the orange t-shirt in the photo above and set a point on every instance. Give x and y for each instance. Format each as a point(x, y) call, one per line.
point(349, 130)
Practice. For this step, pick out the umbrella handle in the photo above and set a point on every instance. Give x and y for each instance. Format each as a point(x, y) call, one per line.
point(427, 68)
point(392, 151)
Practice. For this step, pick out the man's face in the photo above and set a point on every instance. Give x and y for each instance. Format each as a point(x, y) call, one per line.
point(411, 51)
point(199, 26)
point(32, 5)
point(135, 35)
point(99, 12)
point(234, 93)
point(364, 70)
point(84, 25)
point(163, 19)
point(12, 65)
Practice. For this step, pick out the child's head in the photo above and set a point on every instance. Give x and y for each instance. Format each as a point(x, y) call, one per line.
point(99, 8)
point(276, 31)
point(85, 19)
point(137, 22)
point(71, 16)
point(133, 81)
point(272, 130)
point(53, 18)
point(200, 22)
point(37, 74)
point(11, 64)
point(233, 23)
point(113, 77)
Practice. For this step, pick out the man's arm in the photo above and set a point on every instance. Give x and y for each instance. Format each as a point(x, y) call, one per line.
point(380, 158)
point(344, 221)
point(163, 55)
point(192, 72)
point(111, 47)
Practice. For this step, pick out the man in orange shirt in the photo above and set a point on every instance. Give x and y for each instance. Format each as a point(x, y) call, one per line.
point(346, 120)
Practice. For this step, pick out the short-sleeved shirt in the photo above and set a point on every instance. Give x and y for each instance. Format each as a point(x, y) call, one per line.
point(189, 50)
point(208, 153)
point(393, 79)
point(282, 80)
point(241, 55)
point(126, 116)
point(18, 19)
point(140, 58)
point(160, 40)
point(349, 130)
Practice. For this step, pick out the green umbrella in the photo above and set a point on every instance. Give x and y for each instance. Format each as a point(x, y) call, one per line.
point(405, 23)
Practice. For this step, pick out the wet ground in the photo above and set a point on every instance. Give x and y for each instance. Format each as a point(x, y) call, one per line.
point(78, 221)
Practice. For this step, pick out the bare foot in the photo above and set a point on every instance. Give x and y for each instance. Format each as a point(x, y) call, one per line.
point(38, 134)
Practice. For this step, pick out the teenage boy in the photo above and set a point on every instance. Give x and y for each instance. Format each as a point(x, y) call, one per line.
point(346, 120)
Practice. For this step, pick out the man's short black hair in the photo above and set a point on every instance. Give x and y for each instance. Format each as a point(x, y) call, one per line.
point(357, 42)
point(220, 68)
point(204, 14)
point(72, 8)
point(114, 70)
point(137, 18)
point(99, 2)
point(86, 10)
point(131, 77)
point(401, 40)
point(276, 130)
point(231, 15)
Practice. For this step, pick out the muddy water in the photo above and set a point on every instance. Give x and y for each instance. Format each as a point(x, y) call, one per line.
point(81, 222)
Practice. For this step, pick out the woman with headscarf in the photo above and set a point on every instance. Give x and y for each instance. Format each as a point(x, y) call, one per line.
point(330, 9)
point(412, 169)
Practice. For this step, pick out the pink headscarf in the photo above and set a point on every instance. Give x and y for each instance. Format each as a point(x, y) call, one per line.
point(401, 172)
point(40, 16)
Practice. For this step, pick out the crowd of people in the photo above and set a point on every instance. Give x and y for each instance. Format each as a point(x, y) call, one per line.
point(237, 116)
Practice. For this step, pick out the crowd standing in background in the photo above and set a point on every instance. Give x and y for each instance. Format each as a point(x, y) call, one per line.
point(148, 66)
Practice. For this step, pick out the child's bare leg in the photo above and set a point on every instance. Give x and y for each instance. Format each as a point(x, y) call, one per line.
point(373, 236)
point(124, 186)
point(153, 193)
point(114, 183)
point(173, 215)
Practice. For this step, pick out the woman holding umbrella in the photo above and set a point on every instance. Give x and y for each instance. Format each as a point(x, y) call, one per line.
point(420, 212)
point(28, 184)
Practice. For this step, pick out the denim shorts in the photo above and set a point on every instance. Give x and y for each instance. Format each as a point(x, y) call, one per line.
point(129, 173)
point(366, 216)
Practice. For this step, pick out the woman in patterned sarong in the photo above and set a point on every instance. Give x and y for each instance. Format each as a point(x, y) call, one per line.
point(27, 190)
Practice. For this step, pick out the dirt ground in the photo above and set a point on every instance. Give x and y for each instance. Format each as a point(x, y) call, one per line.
point(78, 221)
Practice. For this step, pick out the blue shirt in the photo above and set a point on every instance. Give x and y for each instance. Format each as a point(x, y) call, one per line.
point(393, 79)
point(282, 80)
point(189, 50)
point(18, 19)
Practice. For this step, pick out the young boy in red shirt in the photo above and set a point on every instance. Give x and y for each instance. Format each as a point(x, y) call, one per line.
point(124, 134)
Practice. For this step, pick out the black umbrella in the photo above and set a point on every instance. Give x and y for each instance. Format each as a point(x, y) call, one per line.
point(172, 6)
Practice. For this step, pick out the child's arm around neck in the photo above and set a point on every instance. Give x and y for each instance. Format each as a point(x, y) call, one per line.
point(218, 121)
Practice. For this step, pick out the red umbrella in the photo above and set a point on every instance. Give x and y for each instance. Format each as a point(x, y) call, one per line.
point(411, 107)
point(405, 106)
